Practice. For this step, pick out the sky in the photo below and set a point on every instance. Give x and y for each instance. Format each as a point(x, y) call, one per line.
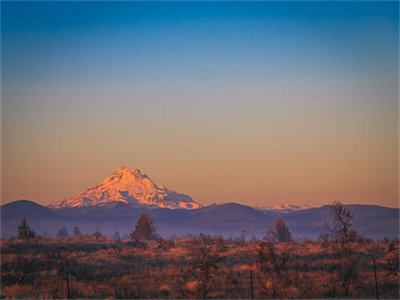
point(258, 103)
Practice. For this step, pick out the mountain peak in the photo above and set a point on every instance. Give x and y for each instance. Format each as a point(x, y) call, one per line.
point(126, 172)
point(129, 186)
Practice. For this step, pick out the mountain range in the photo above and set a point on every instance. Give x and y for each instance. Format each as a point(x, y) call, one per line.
point(117, 202)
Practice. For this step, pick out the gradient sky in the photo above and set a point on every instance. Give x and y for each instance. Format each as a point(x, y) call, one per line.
point(256, 103)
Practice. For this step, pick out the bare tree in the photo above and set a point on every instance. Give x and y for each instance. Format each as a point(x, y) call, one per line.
point(344, 251)
point(205, 255)
point(273, 266)
point(61, 258)
point(340, 224)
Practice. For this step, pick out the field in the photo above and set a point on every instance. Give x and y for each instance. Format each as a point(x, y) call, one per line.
point(201, 267)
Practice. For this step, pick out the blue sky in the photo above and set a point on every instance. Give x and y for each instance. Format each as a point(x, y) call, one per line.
point(189, 92)
point(112, 41)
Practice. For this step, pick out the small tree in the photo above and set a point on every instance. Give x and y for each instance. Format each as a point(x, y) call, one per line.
point(272, 265)
point(63, 232)
point(61, 258)
point(25, 231)
point(340, 224)
point(281, 232)
point(116, 235)
point(77, 232)
point(97, 234)
point(145, 229)
point(346, 272)
point(205, 254)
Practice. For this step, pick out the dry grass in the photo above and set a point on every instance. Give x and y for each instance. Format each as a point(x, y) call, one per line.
point(102, 268)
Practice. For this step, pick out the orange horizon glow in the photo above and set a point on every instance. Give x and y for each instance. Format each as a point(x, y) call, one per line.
point(263, 104)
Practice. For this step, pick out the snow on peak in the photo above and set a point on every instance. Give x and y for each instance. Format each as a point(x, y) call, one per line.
point(290, 206)
point(129, 186)
point(284, 208)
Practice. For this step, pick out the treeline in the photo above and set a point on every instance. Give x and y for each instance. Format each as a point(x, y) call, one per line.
point(339, 264)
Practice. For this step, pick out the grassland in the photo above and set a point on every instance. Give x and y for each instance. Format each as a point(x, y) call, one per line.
point(203, 267)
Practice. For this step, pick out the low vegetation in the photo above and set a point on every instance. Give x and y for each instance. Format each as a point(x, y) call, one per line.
point(341, 264)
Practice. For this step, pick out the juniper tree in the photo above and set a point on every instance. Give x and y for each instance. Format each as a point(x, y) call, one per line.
point(116, 235)
point(25, 231)
point(77, 232)
point(280, 233)
point(63, 232)
point(145, 229)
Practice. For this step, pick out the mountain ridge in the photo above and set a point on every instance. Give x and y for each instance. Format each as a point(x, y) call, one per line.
point(226, 219)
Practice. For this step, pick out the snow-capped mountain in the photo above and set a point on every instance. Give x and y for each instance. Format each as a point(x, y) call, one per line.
point(283, 208)
point(129, 186)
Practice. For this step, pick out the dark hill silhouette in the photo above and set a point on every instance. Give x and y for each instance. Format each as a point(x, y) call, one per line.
point(21, 208)
point(228, 219)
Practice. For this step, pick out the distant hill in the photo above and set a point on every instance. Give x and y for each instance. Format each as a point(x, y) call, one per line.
point(21, 208)
point(227, 219)
point(369, 220)
point(38, 215)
